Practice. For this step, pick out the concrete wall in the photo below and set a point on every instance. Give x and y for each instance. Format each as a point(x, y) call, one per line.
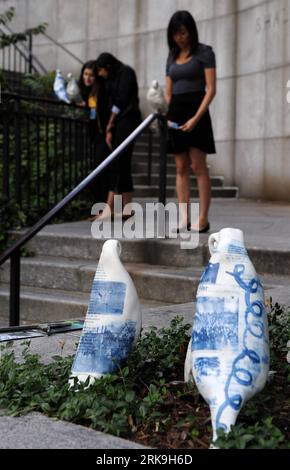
point(251, 39)
point(262, 147)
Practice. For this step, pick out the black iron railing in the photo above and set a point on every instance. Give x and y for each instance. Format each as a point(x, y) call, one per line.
point(14, 251)
point(18, 58)
point(162, 126)
point(47, 150)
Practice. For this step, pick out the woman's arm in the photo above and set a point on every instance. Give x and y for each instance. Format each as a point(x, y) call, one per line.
point(210, 80)
point(111, 122)
point(168, 89)
point(109, 128)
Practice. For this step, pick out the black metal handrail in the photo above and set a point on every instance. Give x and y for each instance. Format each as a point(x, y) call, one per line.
point(61, 46)
point(26, 54)
point(13, 252)
point(48, 148)
point(31, 58)
point(54, 102)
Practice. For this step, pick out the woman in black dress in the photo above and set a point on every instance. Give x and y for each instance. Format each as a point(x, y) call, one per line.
point(190, 88)
point(125, 116)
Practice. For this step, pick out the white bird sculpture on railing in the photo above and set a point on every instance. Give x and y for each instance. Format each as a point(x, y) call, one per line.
point(72, 89)
point(156, 99)
point(59, 87)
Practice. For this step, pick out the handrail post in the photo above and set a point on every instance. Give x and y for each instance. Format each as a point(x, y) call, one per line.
point(30, 55)
point(162, 125)
point(149, 168)
point(14, 288)
point(6, 162)
point(17, 151)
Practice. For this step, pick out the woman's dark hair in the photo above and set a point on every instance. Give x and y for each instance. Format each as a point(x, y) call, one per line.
point(179, 19)
point(109, 62)
point(87, 90)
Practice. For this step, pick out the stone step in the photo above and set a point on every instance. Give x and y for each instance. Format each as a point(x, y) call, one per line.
point(141, 179)
point(40, 305)
point(144, 138)
point(139, 166)
point(143, 156)
point(74, 240)
point(143, 146)
point(176, 285)
point(44, 305)
point(153, 191)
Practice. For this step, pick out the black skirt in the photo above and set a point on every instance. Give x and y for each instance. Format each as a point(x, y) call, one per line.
point(182, 108)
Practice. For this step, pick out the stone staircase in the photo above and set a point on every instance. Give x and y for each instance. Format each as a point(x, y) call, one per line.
point(56, 281)
point(140, 170)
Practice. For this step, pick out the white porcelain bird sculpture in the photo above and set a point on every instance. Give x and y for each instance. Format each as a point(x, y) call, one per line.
point(59, 87)
point(156, 99)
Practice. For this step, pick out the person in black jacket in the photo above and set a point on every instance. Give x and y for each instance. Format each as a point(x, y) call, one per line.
point(122, 88)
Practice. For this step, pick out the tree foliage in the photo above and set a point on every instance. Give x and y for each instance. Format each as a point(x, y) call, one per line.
point(14, 38)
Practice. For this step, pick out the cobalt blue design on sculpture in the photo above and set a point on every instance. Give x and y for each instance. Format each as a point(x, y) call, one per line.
point(240, 372)
point(210, 273)
point(103, 349)
point(207, 366)
point(237, 249)
point(107, 298)
point(215, 324)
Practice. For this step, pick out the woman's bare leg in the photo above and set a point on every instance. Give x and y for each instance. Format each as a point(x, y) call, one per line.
point(109, 209)
point(199, 167)
point(182, 162)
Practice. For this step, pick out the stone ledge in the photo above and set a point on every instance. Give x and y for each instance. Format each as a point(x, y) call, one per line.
point(36, 431)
